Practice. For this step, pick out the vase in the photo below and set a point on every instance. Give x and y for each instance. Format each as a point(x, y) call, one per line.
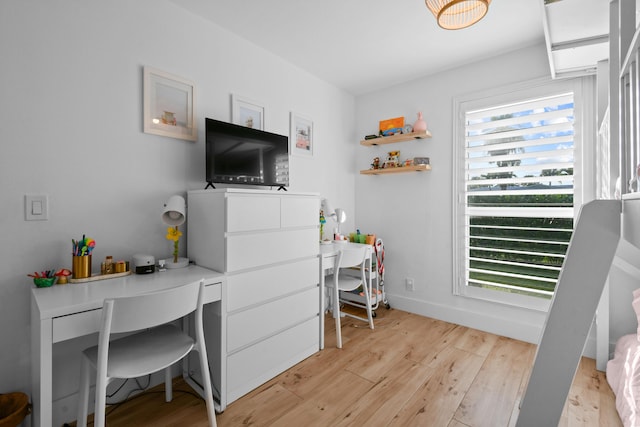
point(420, 125)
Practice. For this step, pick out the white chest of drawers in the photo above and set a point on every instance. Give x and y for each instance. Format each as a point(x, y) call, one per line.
point(266, 244)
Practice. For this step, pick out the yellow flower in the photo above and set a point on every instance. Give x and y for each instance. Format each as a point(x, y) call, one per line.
point(173, 234)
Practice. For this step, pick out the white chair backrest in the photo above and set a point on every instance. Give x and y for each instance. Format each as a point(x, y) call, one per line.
point(351, 257)
point(151, 309)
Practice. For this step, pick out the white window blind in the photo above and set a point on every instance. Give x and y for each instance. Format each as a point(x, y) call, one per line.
point(519, 194)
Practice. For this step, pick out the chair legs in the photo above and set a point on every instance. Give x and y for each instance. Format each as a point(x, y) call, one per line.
point(101, 402)
point(335, 309)
point(367, 297)
point(206, 378)
point(83, 404)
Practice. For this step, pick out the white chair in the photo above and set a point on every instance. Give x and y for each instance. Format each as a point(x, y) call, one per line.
point(144, 352)
point(343, 281)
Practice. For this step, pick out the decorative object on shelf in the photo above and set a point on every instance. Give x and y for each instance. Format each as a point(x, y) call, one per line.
point(392, 160)
point(323, 221)
point(301, 135)
point(408, 162)
point(376, 163)
point(174, 215)
point(169, 103)
point(391, 126)
point(457, 14)
point(407, 129)
point(420, 125)
point(247, 112)
point(420, 160)
point(368, 137)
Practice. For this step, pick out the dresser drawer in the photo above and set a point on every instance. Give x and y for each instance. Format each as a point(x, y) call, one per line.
point(253, 366)
point(252, 213)
point(246, 251)
point(254, 287)
point(300, 211)
point(252, 325)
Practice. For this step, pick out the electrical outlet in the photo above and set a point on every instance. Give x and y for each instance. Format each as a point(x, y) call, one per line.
point(409, 284)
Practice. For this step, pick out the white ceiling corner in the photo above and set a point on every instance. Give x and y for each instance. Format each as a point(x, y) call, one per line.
point(577, 35)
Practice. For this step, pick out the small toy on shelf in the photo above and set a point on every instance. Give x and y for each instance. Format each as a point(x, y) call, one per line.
point(376, 163)
point(63, 276)
point(392, 159)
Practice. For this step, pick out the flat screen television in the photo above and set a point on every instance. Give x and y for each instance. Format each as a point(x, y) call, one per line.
point(240, 155)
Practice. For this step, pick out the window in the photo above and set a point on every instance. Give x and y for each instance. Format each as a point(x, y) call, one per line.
point(515, 179)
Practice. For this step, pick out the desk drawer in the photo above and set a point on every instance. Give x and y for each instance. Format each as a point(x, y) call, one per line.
point(212, 292)
point(254, 287)
point(77, 324)
point(252, 325)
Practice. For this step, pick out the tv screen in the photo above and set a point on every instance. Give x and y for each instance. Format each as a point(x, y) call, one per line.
point(240, 155)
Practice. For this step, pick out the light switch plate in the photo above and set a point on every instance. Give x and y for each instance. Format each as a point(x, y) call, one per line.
point(36, 207)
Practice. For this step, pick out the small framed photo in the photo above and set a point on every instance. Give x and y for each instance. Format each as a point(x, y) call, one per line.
point(169, 105)
point(246, 112)
point(301, 135)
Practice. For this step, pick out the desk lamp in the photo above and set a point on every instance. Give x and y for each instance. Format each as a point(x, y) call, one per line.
point(341, 217)
point(338, 215)
point(174, 215)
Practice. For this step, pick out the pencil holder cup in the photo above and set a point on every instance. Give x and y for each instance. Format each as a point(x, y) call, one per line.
point(81, 267)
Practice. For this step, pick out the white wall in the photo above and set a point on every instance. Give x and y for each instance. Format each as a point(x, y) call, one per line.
point(71, 128)
point(413, 212)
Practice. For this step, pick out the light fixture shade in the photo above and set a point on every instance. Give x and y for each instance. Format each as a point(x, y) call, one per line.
point(326, 208)
point(457, 14)
point(341, 215)
point(174, 211)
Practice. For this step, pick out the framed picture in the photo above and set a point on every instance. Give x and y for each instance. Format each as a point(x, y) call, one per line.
point(169, 105)
point(301, 135)
point(247, 113)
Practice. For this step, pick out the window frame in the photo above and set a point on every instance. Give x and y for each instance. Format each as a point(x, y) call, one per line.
point(584, 141)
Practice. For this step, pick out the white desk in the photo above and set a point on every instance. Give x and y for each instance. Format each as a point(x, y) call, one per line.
point(63, 312)
point(328, 255)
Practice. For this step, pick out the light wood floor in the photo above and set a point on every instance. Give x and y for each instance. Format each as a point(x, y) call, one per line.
point(409, 371)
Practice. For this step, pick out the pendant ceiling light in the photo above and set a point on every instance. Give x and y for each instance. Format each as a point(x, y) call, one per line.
point(456, 14)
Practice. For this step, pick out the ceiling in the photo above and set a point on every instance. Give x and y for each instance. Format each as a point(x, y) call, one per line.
point(577, 35)
point(364, 45)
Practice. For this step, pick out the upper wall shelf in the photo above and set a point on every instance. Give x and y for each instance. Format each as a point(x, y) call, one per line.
point(396, 138)
point(399, 169)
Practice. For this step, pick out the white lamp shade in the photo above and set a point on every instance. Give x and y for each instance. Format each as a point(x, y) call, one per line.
point(174, 211)
point(326, 208)
point(341, 215)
